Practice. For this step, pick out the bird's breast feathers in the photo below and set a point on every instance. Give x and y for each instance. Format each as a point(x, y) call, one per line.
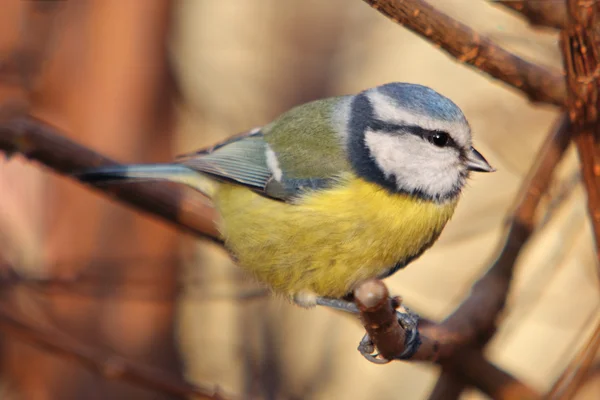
point(329, 240)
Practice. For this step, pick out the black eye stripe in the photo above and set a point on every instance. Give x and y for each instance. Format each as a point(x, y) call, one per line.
point(382, 126)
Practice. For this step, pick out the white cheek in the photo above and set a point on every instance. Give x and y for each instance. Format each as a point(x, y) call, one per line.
point(414, 163)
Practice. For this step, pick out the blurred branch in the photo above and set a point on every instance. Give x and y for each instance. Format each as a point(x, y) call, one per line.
point(576, 373)
point(474, 369)
point(552, 14)
point(85, 284)
point(562, 193)
point(109, 366)
point(466, 45)
point(43, 143)
point(580, 44)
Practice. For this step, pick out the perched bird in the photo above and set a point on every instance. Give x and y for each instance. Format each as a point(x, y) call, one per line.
point(333, 192)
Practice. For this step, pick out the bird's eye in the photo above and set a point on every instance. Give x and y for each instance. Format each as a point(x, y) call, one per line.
point(439, 139)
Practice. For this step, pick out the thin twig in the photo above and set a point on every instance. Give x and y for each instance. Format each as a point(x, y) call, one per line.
point(43, 143)
point(109, 366)
point(463, 43)
point(548, 14)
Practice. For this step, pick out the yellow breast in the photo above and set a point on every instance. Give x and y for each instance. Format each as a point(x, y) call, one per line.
point(329, 241)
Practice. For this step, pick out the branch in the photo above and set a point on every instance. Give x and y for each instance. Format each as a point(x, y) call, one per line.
point(41, 142)
point(109, 366)
point(580, 44)
point(466, 45)
point(551, 14)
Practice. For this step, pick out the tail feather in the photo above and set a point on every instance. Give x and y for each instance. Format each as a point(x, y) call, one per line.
point(148, 172)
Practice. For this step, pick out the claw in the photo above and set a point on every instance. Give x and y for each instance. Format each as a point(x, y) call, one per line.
point(408, 320)
point(367, 350)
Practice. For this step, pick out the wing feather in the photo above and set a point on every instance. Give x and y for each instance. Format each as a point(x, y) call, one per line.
point(241, 159)
point(308, 153)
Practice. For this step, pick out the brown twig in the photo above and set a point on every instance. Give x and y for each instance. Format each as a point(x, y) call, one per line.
point(474, 369)
point(575, 374)
point(466, 45)
point(580, 44)
point(551, 14)
point(41, 142)
point(109, 366)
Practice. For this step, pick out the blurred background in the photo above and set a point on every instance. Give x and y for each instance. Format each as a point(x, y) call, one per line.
point(141, 81)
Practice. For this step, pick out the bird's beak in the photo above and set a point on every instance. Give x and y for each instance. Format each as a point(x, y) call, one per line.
point(476, 162)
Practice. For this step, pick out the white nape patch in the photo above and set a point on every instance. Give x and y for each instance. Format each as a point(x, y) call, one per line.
point(387, 111)
point(273, 164)
point(341, 118)
point(415, 163)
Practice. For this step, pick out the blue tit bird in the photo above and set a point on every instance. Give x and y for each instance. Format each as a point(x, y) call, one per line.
point(333, 192)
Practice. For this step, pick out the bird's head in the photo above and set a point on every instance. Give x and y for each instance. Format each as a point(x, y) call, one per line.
point(411, 139)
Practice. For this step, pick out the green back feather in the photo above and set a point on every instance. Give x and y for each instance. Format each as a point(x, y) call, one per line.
point(305, 142)
point(308, 150)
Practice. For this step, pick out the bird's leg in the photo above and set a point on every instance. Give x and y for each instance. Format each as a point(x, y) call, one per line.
point(406, 318)
point(337, 304)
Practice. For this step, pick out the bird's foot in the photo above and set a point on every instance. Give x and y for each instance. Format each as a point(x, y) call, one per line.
point(409, 321)
point(406, 318)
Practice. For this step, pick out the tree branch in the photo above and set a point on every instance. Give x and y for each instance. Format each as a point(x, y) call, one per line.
point(466, 45)
point(580, 44)
point(550, 14)
point(109, 366)
point(41, 142)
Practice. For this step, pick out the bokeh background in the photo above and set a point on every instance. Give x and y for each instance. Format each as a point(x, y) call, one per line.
point(141, 81)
